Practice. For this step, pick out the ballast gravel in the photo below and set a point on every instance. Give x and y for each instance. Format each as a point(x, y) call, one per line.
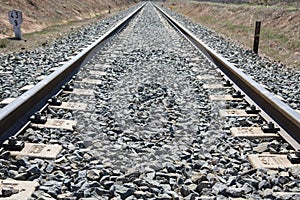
point(150, 131)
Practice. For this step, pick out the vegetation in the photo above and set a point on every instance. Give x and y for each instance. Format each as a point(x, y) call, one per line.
point(279, 37)
point(3, 43)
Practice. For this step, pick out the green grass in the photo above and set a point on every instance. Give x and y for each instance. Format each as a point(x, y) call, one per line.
point(274, 35)
point(234, 27)
point(226, 24)
point(3, 43)
point(208, 19)
point(280, 38)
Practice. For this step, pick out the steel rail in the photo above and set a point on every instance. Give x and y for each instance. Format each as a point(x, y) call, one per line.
point(16, 114)
point(272, 108)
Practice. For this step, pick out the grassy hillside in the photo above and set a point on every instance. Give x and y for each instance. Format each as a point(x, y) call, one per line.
point(39, 14)
point(45, 20)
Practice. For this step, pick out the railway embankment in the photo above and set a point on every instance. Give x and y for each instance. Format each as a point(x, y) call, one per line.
point(280, 32)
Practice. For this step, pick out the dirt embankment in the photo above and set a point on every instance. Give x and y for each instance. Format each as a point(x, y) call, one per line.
point(280, 32)
point(39, 14)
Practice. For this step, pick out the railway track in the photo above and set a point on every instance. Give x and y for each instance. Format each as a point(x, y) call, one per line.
point(140, 120)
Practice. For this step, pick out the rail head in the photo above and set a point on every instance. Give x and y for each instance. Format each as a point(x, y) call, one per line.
point(16, 114)
point(272, 107)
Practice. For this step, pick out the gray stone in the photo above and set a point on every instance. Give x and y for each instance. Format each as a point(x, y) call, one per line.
point(93, 174)
point(82, 174)
point(58, 175)
point(124, 192)
point(164, 197)
point(13, 173)
point(131, 176)
point(247, 188)
point(219, 188)
point(196, 178)
point(261, 147)
point(102, 192)
point(22, 176)
point(267, 194)
point(8, 191)
point(67, 195)
point(143, 194)
point(50, 167)
point(44, 188)
point(166, 187)
point(264, 184)
point(231, 180)
point(108, 184)
point(94, 184)
point(202, 185)
point(170, 168)
point(34, 170)
point(235, 192)
point(185, 191)
point(190, 197)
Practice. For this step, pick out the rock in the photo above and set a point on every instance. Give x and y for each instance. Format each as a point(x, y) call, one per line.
point(67, 195)
point(124, 192)
point(22, 176)
point(164, 175)
point(87, 157)
point(190, 197)
point(44, 188)
point(94, 184)
point(219, 188)
point(108, 184)
point(261, 147)
point(8, 191)
point(34, 170)
point(166, 187)
point(196, 178)
point(267, 194)
point(180, 180)
point(57, 184)
point(83, 173)
point(131, 176)
point(4, 155)
point(104, 178)
point(202, 185)
point(231, 180)
point(23, 162)
point(173, 194)
point(264, 184)
point(235, 192)
point(143, 194)
point(102, 192)
point(170, 168)
point(53, 191)
point(93, 174)
point(50, 167)
point(155, 191)
point(58, 175)
point(164, 197)
point(185, 191)
point(247, 188)
point(13, 173)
